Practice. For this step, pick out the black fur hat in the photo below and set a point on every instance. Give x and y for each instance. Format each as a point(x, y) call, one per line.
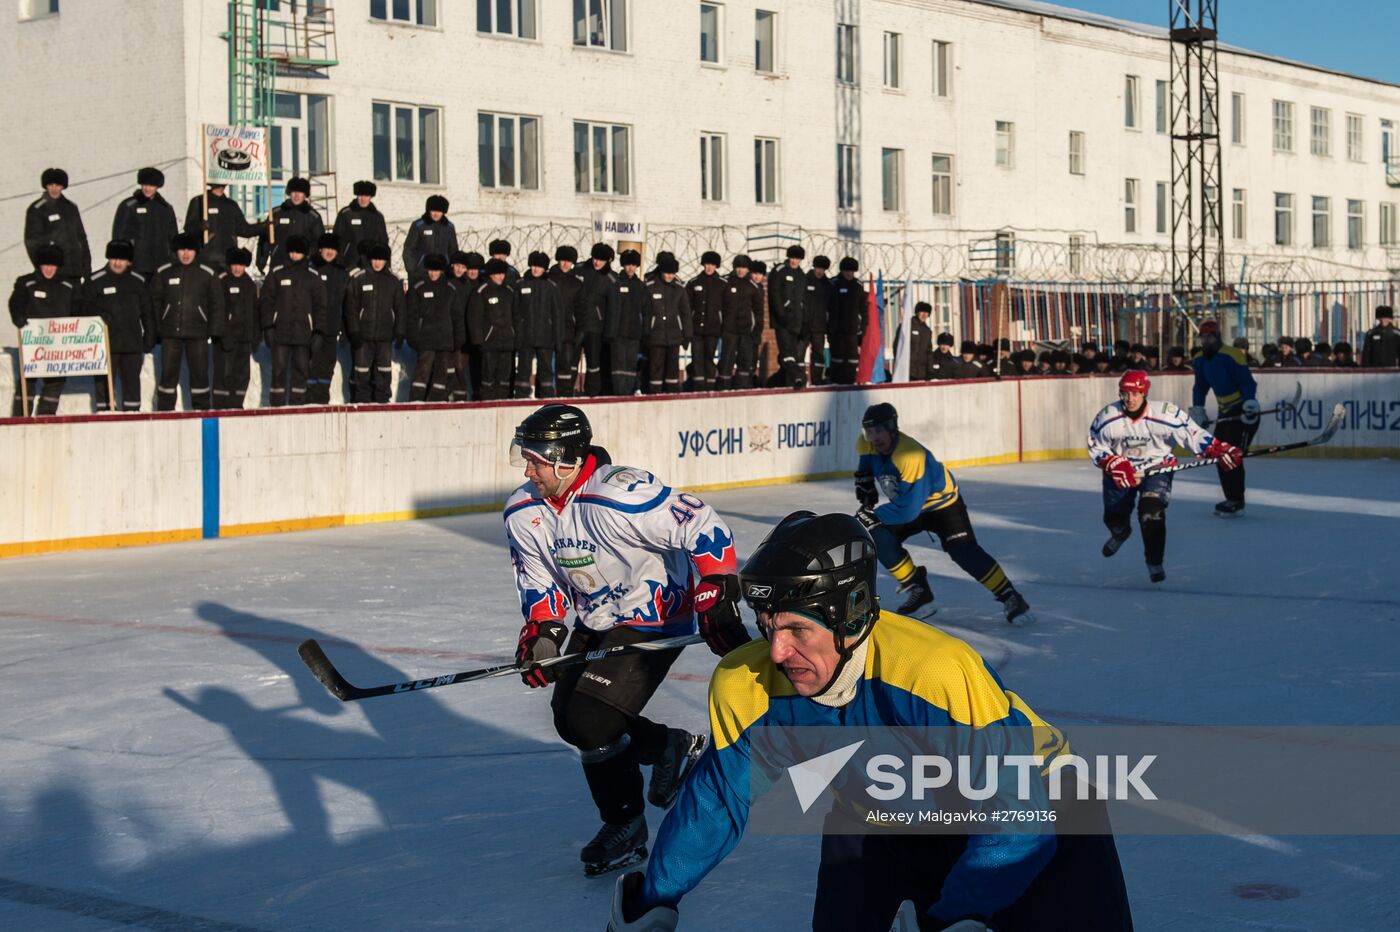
point(53, 176)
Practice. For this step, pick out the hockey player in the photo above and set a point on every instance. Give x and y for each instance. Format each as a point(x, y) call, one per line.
point(922, 496)
point(1223, 370)
point(1129, 437)
point(833, 659)
point(613, 547)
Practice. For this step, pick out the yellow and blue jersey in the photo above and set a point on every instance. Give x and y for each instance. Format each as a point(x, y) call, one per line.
point(914, 676)
point(912, 478)
point(1227, 374)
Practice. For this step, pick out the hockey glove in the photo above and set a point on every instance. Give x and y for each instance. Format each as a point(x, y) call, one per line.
point(1120, 469)
point(539, 640)
point(1198, 414)
point(867, 519)
point(716, 602)
point(866, 493)
point(1249, 412)
point(1228, 455)
point(630, 916)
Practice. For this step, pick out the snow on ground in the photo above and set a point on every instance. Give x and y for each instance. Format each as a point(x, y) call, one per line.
point(166, 761)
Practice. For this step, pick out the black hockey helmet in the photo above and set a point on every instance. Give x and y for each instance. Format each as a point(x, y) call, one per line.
point(553, 435)
point(881, 415)
point(820, 566)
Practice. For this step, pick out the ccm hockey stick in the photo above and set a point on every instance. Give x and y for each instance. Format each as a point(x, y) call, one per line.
point(1281, 406)
point(319, 664)
point(1328, 432)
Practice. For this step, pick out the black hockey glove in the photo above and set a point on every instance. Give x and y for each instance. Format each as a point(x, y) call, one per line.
point(867, 518)
point(716, 602)
point(866, 493)
point(539, 640)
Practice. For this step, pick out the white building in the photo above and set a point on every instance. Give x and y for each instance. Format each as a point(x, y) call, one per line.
point(926, 125)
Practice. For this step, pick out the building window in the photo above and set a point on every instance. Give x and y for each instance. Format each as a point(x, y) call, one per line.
point(1163, 116)
point(845, 177)
point(508, 151)
point(710, 30)
point(602, 158)
point(34, 9)
point(712, 186)
point(942, 185)
point(1321, 131)
point(299, 138)
point(1238, 228)
point(1283, 219)
point(407, 143)
point(1076, 152)
point(1283, 126)
point(765, 41)
point(942, 318)
point(1237, 119)
point(1131, 118)
point(942, 69)
point(1006, 144)
point(1356, 137)
point(894, 64)
point(601, 24)
point(892, 178)
point(1212, 207)
point(1321, 222)
point(765, 170)
point(1356, 224)
point(1388, 215)
point(1076, 254)
point(415, 12)
point(1130, 195)
point(1163, 199)
point(1209, 124)
point(1005, 254)
point(506, 17)
point(846, 53)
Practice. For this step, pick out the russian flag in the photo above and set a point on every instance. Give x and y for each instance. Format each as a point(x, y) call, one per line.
point(872, 348)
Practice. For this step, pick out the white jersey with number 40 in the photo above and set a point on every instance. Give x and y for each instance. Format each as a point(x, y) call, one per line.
point(1148, 440)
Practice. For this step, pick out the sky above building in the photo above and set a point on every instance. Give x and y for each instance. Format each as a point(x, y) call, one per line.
point(1354, 36)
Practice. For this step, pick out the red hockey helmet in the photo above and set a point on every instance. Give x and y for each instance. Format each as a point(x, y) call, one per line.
point(1210, 326)
point(1134, 380)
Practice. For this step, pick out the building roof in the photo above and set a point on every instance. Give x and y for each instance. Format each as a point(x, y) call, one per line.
point(1038, 8)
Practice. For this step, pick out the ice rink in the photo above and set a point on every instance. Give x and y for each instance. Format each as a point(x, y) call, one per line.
point(168, 763)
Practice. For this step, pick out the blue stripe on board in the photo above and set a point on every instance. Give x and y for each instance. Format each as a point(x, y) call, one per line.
point(211, 476)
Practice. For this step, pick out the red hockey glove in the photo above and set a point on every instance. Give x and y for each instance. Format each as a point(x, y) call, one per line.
point(1120, 469)
point(539, 640)
point(716, 601)
point(1229, 455)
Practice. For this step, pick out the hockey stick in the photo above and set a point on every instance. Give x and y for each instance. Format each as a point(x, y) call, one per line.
point(1328, 432)
point(1281, 406)
point(319, 664)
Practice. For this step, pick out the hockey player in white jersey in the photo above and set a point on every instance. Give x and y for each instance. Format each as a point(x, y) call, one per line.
point(1127, 439)
point(618, 550)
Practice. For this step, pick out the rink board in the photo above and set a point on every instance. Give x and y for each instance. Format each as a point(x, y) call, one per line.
point(107, 481)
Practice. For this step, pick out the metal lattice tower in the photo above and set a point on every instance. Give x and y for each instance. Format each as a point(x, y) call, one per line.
point(1198, 248)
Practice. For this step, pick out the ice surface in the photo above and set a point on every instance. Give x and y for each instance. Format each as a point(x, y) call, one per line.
point(168, 763)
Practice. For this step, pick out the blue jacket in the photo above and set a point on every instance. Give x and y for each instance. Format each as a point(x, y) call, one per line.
point(911, 477)
point(1224, 373)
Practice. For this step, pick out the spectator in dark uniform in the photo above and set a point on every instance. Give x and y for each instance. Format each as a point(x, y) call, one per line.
point(53, 220)
point(189, 308)
point(226, 224)
point(1304, 349)
point(1090, 352)
point(1242, 344)
point(787, 294)
point(942, 362)
point(846, 323)
point(920, 342)
point(1342, 354)
point(41, 294)
point(435, 330)
point(120, 297)
point(500, 249)
point(292, 308)
point(233, 350)
point(375, 313)
point(1004, 365)
point(293, 217)
point(146, 221)
point(430, 234)
point(1119, 361)
point(572, 317)
point(1176, 360)
point(816, 308)
point(358, 224)
point(741, 327)
point(1320, 357)
point(668, 328)
point(538, 310)
point(707, 293)
point(325, 344)
point(598, 281)
point(1287, 358)
point(465, 269)
point(967, 366)
point(1381, 349)
point(490, 320)
point(628, 308)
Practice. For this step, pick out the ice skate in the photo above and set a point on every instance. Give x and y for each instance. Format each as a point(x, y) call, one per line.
point(614, 847)
point(1110, 546)
point(1229, 508)
point(920, 595)
point(1155, 572)
point(668, 773)
point(1018, 610)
